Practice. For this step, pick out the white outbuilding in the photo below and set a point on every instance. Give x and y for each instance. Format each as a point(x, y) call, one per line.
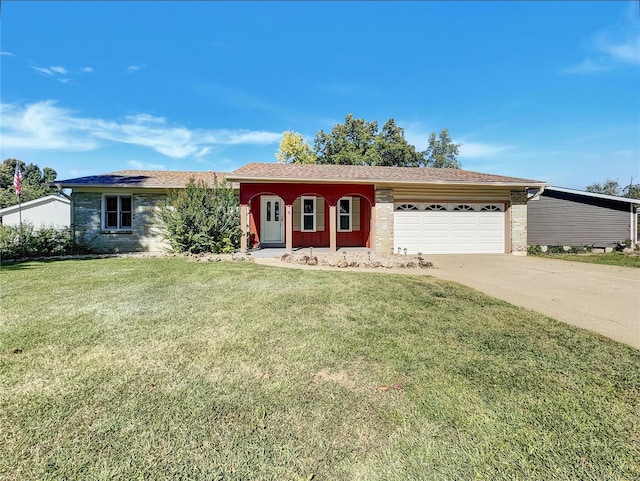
point(50, 211)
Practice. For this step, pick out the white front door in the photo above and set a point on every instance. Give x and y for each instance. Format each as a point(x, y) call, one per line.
point(271, 220)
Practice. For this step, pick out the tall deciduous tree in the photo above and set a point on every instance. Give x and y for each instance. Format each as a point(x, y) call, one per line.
point(294, 149)
point(35, 182)
point(442, 152)
point(613, 187)
point(393, 148)
point(358, 142)
point(351, 143)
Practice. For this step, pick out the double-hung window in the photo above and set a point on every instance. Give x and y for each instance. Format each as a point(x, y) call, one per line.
point(116, 212)
point(308, 213)
point(345, 209)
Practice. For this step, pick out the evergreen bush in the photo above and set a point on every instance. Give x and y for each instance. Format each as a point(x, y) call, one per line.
point(201, 218)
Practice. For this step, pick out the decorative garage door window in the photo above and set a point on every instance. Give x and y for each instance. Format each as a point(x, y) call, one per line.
point(491, 208)
point(436, 207)
point(407, 207)
point(450, 207)
point(463, 207)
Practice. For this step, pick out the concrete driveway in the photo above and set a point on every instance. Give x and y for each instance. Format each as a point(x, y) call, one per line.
point(604, 299)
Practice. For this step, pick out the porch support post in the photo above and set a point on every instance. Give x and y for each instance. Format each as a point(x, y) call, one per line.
point(333, 243)
point(244, 226)
point(372, 229)
point(288, 224)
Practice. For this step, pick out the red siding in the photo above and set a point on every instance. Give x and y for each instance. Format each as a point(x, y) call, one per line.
point(314, 239)
point(250, 194)
point(358, 238)
point(290, 192)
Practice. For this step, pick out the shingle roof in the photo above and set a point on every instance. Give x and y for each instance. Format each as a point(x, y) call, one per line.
point(142, 178)
point(295, 173)
point(359, 173)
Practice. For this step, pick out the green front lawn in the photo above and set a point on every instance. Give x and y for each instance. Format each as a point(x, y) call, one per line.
point(171, 369)
point(621, 259)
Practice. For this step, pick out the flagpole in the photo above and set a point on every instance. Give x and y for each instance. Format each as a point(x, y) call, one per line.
point(20, 216)
point(17, 185)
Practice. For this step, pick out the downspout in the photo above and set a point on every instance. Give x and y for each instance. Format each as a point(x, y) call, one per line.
point(633, 225)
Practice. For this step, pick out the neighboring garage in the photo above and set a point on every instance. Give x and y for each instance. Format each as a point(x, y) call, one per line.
point(450, 228)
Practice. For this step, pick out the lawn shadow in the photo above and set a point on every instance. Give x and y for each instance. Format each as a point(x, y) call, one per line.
point(31, 262)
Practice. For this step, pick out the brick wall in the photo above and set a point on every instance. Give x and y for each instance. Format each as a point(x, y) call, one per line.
point(384, 220)
point(518, 222)
point(145, 235)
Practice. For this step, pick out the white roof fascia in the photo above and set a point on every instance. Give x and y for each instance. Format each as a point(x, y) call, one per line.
point(34, 202)
point(593, 194)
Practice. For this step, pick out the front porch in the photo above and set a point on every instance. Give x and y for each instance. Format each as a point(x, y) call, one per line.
point(292, 216)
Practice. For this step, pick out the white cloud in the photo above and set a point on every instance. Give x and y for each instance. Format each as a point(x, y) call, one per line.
point(625, 50)
point(248, 137)
point(54, 71)
point(7, 54)
point(613, 47)
point(41, 126)
point(87, 69)
point(44, 125)
point(133, 68)
point(42, 70)
point(58, 69)
point(146, 118)
point(587, 66)
point(137, 165)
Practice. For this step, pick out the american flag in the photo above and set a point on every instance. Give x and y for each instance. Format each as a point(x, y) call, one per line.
point(17, 179)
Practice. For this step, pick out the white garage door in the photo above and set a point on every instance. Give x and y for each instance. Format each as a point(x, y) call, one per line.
point(462, 228)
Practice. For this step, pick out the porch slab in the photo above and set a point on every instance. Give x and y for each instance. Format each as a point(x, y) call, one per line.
point(271, 252)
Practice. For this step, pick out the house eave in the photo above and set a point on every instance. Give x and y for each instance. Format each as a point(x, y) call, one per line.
point(113, 186)
point(384, 182)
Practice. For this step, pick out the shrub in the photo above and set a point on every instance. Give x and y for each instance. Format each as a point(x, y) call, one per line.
point(579, 249)
point(26, 241)
point(535, 250)
point(202, 219)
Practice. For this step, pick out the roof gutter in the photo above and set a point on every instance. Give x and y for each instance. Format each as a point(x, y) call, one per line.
point(307, 180)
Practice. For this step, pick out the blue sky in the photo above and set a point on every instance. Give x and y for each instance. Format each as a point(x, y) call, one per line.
point(541, 90)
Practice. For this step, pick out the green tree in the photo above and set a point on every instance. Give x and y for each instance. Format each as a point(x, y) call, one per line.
point(632, 191)
point(358, 142)
point(442, 152)
point(295, 150)
point(393, 148)
point(351, 143)
point(613, 187)
point(35, 182)
point(201, 218)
